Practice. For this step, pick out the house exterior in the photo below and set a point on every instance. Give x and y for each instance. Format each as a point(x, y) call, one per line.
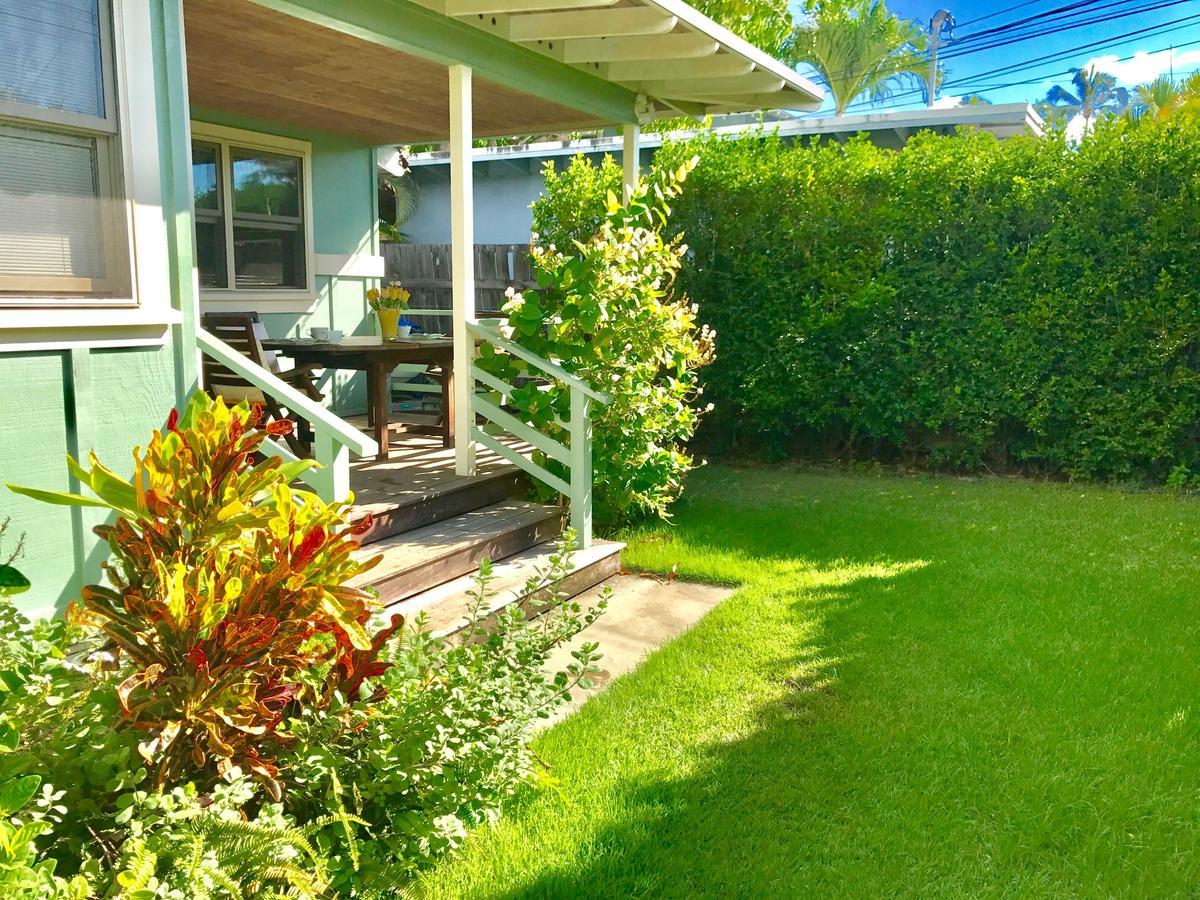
point(164, 158)
point(508, 179)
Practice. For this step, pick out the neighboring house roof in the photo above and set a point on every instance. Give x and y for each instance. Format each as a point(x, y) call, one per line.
point(1003, 120)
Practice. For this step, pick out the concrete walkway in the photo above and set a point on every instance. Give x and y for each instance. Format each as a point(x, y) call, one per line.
point(643, 614)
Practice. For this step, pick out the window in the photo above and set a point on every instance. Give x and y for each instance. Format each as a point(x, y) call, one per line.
point(63, 228)
point(251, 202)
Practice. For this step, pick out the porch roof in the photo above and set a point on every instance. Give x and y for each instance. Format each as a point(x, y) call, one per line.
point(376, 69)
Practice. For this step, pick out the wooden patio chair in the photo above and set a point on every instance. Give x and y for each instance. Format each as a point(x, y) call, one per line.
point(241, 331)
point(419, 421)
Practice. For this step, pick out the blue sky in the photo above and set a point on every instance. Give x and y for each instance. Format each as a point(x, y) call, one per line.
point(1150, 51)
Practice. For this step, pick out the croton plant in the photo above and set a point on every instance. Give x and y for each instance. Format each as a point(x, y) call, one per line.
point(227, 598)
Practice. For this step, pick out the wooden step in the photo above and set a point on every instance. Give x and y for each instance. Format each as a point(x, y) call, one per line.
point(446, 605)
point(434, 554)
point(412, 501)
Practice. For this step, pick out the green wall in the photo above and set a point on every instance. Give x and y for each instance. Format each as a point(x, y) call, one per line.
point(344, 216)
point(71, 401)
point(88, 398)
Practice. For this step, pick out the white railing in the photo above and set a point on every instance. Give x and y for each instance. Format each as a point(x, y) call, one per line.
point(577, 456)
point(334, 438)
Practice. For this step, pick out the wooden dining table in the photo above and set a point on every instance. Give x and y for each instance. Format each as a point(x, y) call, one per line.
point(378, 358)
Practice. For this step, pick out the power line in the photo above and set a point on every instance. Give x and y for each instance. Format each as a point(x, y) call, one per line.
point(966, 85)
point(963, 83)
point(1159, 29)
point(998, 12)
point(962, 48)
point(1057, 56)
point(954, 50)
point(1042, 15)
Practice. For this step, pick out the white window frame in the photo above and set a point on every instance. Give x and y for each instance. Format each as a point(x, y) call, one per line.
point(226, 138)
point(137, 314)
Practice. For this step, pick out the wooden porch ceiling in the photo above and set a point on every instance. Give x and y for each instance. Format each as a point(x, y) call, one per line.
point(249, 60)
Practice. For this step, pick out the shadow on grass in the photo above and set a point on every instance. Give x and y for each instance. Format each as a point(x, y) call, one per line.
point(748, 821)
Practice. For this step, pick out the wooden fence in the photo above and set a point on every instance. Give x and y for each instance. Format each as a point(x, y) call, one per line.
point(425, 270)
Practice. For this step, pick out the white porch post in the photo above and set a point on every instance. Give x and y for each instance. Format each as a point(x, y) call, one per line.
point(462, 263)
point(629, 156)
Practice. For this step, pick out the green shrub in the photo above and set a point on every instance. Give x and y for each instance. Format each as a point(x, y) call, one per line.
point(445, 739)
point(607, 310)
point(226, 587)
point(229, 604)
point(963, 302)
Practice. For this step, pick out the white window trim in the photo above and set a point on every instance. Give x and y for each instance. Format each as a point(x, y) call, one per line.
point(139, 318)
point(225, 136)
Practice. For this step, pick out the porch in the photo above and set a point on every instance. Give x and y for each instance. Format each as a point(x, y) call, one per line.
point(288, 102)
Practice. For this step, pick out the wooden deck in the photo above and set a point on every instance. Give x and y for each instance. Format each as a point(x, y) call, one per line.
point(418, 466)
point(432, 528)
point(417, 484)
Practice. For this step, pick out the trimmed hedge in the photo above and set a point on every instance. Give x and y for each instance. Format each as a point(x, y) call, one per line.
point(963, 302)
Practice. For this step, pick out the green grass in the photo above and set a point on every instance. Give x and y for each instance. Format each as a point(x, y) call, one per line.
point(925, 687)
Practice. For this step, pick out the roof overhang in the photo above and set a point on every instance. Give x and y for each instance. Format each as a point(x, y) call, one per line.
point(675, 59)
point(376, 69)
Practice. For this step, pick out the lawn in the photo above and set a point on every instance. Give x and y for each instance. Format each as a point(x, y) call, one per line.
point(925, 686)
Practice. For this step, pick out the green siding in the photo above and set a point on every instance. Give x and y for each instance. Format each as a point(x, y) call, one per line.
point(71, 401)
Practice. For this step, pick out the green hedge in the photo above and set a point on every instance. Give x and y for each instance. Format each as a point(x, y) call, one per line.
point(963, 302)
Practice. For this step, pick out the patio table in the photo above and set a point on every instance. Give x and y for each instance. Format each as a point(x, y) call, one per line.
point(377, 358)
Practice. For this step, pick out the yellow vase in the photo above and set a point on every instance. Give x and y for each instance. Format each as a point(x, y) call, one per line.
point(389, 319)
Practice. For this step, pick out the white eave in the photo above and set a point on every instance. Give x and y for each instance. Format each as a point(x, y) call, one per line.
point(676, 58)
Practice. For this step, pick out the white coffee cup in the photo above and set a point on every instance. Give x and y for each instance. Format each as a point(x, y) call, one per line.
point(403, 331)
point(319, 334)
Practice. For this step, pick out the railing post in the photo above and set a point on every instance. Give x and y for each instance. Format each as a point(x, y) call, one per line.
point(333, 479)
point(629, 158)
point(462, 265)
point(581, 467)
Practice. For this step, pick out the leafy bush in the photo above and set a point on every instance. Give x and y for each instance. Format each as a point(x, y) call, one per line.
point(228, 586)
point(962, 302)
point(229, 635)
point(607, 311)
point(445, 742)
point(187, 846)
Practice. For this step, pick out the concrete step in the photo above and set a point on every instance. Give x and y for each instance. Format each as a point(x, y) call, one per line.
point(425, 557)
point(446, 604)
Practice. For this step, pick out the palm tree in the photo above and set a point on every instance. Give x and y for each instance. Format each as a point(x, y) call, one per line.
point(1091, 92)
point(1155, 100)
point(858, 47)
point(1162, 99)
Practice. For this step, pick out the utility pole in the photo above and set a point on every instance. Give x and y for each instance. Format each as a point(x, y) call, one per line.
point(941, 32)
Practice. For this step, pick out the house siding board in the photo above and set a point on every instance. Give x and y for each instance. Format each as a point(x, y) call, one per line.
point(34, 438)
point(502, 213)
point(71, 401)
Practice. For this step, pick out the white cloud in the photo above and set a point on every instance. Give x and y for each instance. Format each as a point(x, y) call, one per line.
point(947, 102)
point(1145, 66)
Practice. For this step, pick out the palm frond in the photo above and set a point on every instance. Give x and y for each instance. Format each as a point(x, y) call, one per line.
point(862, 49)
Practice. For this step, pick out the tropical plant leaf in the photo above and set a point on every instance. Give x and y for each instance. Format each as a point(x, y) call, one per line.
point(16, 792)
point(58, 498)
point(12, 581)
